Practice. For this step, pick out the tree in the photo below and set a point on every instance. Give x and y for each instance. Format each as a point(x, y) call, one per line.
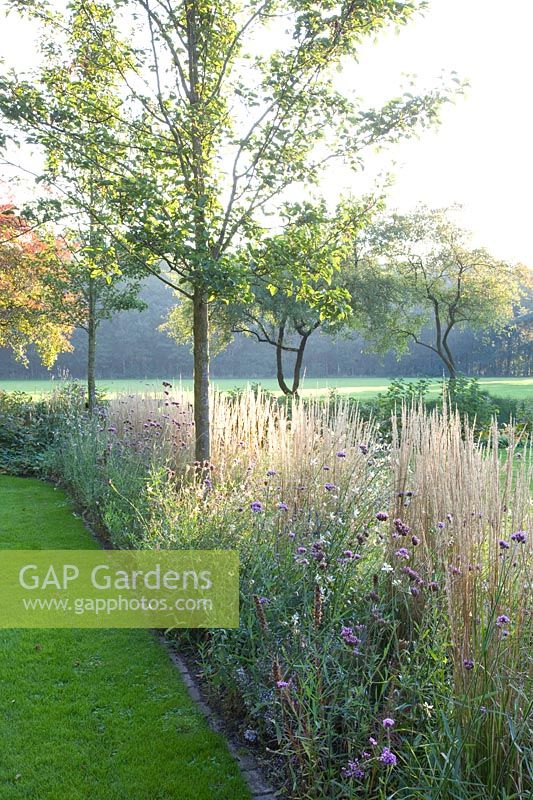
point(299, 282)
point(32, 311)
point(213, 128)
point(419, 270)
point(98, 297)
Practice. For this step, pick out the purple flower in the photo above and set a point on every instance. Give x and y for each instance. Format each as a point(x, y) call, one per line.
point(468, 663)
point(263, 600)
point(302, 550)
point(349, 636)
point(388, 722)
point(413, 574)
point(433, 586)
point(415, 540)
point(271, 472)
point(250, 735)
point(449, 517)
point(415, 591)
point(504, 545)
point(341, 454)
point(352, 770)
point(364, 449)
point(503, 619)
point(256, 506)
point(441, 525)
point(329, 486)
point(372, 741)
point(282, 684)
point(382, 516)
point(402, 553)
point(283, 506)
point(387, 757)
point(401, 527)
point(519, 536)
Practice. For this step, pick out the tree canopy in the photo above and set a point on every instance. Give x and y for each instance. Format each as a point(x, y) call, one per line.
point(32, 310)
point(419, 271)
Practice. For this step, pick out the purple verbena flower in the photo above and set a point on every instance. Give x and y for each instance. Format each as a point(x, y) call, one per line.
point(401, 527)
point(519, 536)
point(468, 663)
point(329, 486)
point(504, 545)
point(503, 619)
point(403, 552)
point(256, 506)
point(382, 516)
point(352, 770)
point(283, 506)
point(415, 540)
point(388, 722)
point(387, 757)
point(341, 454)
point(349, 636)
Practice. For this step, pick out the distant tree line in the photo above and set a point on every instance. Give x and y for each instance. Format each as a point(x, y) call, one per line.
point(132, 346)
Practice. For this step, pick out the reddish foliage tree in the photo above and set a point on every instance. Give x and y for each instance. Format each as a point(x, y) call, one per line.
point(32, 310)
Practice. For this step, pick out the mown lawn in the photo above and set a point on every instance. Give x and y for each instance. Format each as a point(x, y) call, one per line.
point(363, 388)
point(95, 714)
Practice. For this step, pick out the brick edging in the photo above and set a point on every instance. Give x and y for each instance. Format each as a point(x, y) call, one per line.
point(250, 769)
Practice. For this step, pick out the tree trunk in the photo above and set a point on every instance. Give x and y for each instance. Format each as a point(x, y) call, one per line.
point(448, 363)
point(279, 361)
point(201, 376)
point(91, 347)
point(298, 365)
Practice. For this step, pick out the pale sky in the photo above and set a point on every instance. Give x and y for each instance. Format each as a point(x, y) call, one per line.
point(481, 155)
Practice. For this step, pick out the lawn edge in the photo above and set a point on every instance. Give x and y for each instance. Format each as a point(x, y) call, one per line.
point(248, 764)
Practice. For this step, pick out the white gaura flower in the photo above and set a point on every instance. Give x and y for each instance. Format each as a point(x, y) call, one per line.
point(387, 568)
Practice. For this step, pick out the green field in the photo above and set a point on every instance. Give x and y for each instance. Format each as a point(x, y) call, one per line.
point(363, 388)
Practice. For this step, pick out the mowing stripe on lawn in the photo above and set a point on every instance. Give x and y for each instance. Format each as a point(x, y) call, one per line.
point(95, 714)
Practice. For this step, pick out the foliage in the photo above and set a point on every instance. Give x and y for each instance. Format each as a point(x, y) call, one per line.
point(31, 310)
point(28, 429)
point(299, 285)
point(419, 269)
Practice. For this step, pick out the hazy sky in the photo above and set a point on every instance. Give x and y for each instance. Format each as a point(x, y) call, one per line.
point(481, 154)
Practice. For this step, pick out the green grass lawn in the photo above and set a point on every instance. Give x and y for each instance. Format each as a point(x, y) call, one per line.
point(363, 388)
point(95, 714)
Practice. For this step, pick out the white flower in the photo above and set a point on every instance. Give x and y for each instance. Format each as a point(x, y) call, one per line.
point(387, 568)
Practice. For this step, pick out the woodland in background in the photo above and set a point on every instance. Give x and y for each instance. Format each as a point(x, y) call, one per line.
point(132, 346)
